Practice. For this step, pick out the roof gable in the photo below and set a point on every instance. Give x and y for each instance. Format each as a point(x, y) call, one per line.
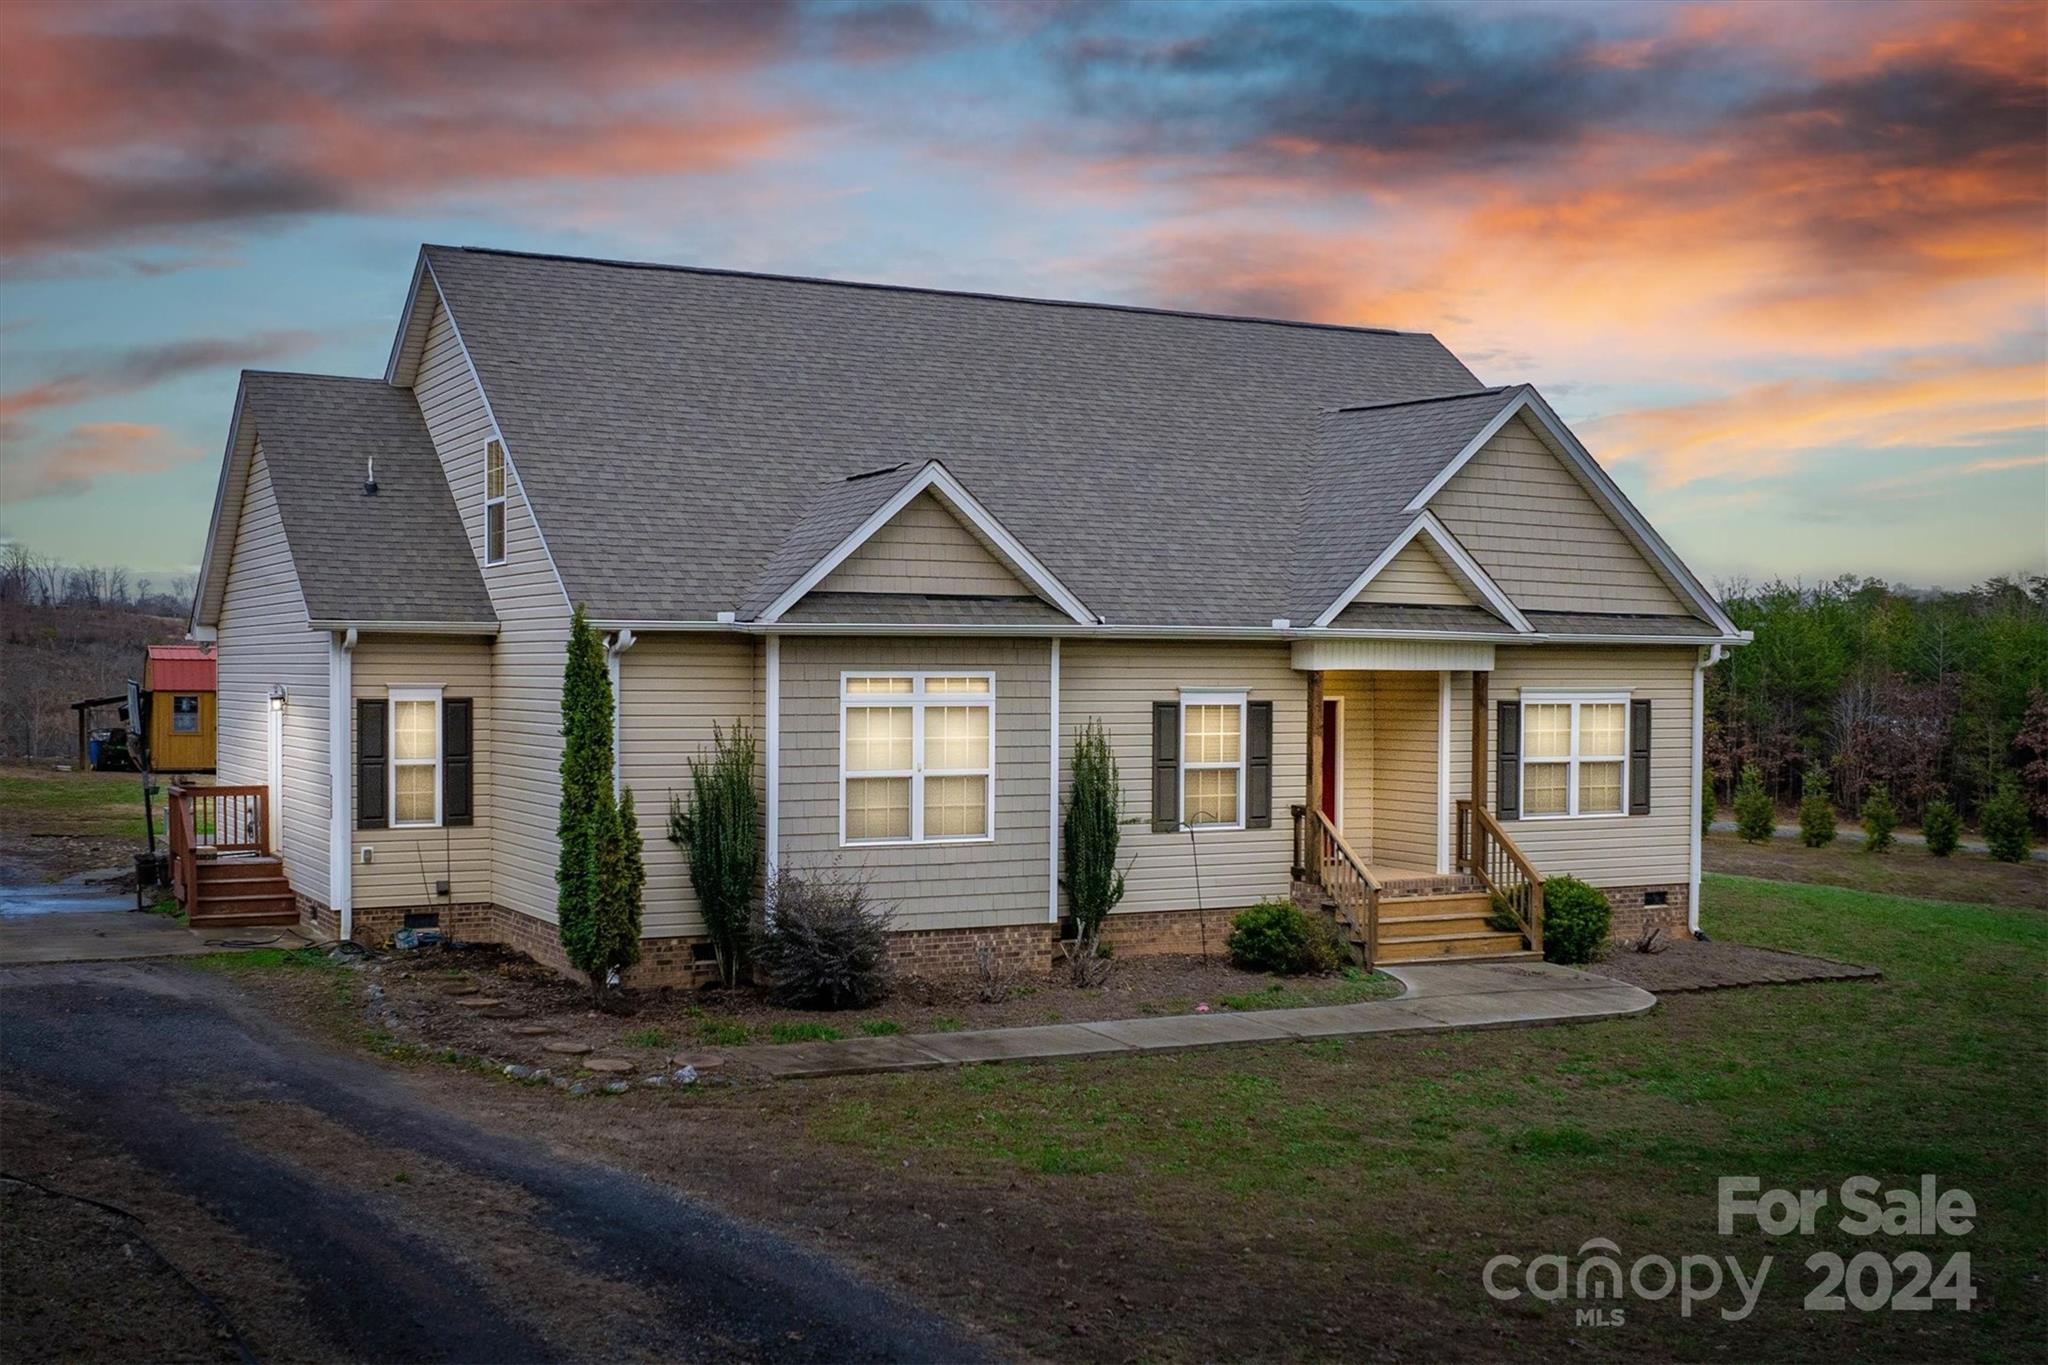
point(1456, 560)
point(926, 549)
point(1415, 577)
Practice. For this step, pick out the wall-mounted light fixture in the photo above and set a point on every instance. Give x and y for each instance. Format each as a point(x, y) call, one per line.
point(277, 695)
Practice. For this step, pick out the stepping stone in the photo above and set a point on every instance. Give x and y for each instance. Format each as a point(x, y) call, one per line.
point(533, 1030)
point(566, 1048)
point(460, 988)
point(608, 1064)
point(703, 1061)
point(477, 1002)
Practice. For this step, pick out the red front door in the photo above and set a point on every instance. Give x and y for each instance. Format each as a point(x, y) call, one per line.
point(1333, 749)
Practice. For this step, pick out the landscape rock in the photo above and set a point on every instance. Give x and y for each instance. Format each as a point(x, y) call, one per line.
point(686, 1075)
point(618, 1087)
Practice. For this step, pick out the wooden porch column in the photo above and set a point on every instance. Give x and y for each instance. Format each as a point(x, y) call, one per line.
point(1314, 798)
point(1480, 725)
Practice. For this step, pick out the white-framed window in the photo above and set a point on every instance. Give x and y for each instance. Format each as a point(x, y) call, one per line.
point(415, 750)
point(1212, 727)
point(916, 757)
point(494, 502)
point(184, 715)
point(1574, 754)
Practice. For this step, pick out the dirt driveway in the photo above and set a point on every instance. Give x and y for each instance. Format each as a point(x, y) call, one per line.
point(333, 1210)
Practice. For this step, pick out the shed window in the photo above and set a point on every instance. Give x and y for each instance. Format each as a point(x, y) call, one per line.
point(184, 715)
point(1574, 756)
point(1212, 760)
point(917, 757)
point(494, 502)
point(415, 756)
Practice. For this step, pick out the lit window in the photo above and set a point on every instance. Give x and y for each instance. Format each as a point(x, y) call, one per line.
point(1212, 760)
point(917, 757)
point(185, 715)
point(494, 502)
point(416, 757)
point(1574, 756)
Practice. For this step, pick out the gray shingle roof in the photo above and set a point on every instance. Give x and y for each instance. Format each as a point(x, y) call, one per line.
point(402, 555)
point(917, 609)
point(1596, 623)
point(672, 428)
point(1392, 616)
point(834, 512)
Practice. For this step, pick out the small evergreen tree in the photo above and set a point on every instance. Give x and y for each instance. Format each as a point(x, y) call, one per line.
point(1880, 818)
point(588, 816)
point(720, 827)
point(1816, 810)
point(1942, 826)
point(622, 879)
point(1089, 835)
point(2004, 820)
point(1756, 817)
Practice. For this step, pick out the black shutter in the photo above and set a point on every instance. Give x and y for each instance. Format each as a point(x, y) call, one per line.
point(1165, 767)
point(1507, 770)
point(370, 725)
point(1258, 777)
point(458, 762)
point(1639, 758)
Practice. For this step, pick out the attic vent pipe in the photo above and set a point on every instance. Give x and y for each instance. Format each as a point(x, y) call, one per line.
point(370, 476)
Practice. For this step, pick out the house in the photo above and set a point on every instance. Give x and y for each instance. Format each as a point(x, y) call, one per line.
point(1361, 627)
point(178, 698)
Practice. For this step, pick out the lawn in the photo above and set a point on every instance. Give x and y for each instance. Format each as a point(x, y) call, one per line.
point(1906, 870)
point(58, 823)
point(1341, 1198)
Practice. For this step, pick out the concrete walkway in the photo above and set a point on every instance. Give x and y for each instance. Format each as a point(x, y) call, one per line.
point(1438, 998)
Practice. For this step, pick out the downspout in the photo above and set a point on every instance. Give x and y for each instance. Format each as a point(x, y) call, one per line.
point(1708, 657)
point(341, 647)
point(771, 725)
point(1052, 909)
point(618, 643)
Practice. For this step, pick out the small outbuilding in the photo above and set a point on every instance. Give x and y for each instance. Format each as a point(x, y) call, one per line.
point(178, 698)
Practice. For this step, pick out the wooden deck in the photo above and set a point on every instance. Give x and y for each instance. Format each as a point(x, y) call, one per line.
point(222, 869)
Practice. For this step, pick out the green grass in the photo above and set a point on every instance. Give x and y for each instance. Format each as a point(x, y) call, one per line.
point(645, 1037)
point(1285, 995)
point(1428, 1154)
point(880, 1028)
point(80, 803)
point(722, 1032)
point(803, 1033)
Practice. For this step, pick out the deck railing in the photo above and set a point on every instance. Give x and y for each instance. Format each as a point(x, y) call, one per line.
point(1321, 855)
point(224, 819)
point(1486, 851)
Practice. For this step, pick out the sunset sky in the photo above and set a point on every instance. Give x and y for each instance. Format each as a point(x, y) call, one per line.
point(1784, 268)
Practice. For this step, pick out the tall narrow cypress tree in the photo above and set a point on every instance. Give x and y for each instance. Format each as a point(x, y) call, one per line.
point(587, 809)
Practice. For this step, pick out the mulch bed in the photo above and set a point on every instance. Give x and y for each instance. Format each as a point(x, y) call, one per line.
point(1686, 964)
point(489, 1002)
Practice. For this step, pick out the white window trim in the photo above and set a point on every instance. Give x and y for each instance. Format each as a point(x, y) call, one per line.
point(1239, 698)
point(392, 762)
point(504, 482)
point(1571, 763)
point(918, 700)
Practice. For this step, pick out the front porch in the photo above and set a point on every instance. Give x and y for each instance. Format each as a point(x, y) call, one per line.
point(1397, 844)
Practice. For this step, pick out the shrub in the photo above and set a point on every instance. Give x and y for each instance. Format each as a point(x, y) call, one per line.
point(720, 828)
point(1756, 816)
point(2004, 820)
point(1277, 936)
point(823, 943)
point(1816, 810)
point(1089, 834)
point(1576, 921)
point(1880, 818)
point(1942, 826)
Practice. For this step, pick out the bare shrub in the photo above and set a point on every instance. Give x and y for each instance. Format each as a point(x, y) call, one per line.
point(823, 944)
point(1647, 939)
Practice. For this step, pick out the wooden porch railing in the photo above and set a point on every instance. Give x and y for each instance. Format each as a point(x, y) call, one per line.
point(1486, 851)
point(1321, 855)
point(225, 819)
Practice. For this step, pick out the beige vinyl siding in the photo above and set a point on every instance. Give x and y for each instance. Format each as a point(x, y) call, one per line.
point(1536, 530)
point(1405, 717)
point(524, 738)
point(924, 548)
point(1355, 757)
point(1415, 578)
point(672, 690)
point(932, 885)
point(264, 641)
point(410, 860)
point(1117, 682)
point(1634, 850)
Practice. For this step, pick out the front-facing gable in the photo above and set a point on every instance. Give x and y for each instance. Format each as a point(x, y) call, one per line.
point(925, 549)
point(1415, 577)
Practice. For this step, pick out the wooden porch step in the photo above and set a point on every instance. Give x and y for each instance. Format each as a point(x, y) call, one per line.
point(1415, 907)
point(1428, 888)
point(1458, 945)
point(253, 919)
point(1434, 926)
point(238, 869)
point(269, 907)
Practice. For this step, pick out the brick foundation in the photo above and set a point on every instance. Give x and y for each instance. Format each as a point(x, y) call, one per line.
point(957, 952)
point(1151, 933)
point(1632, 917)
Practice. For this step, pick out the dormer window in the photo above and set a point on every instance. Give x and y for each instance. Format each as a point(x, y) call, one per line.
point(494, 502)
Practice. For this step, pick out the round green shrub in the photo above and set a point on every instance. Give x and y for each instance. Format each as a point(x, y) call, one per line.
point(1278, 936)
point(1576, 921)
point(1942, 826)
point(2006, 828)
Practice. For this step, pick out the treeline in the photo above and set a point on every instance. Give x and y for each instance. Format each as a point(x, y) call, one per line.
point(1926, 694)
point(28, 579)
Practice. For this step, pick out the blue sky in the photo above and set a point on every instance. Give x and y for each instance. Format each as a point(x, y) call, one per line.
point(1781, 266)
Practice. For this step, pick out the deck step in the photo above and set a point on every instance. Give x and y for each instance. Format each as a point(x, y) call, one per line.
point(1460, 945)
point(237, 869)
point(252, 919)
point(1415, 907)
point(1434, 926)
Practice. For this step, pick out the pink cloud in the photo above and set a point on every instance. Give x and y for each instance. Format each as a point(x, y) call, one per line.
point(89, 452)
